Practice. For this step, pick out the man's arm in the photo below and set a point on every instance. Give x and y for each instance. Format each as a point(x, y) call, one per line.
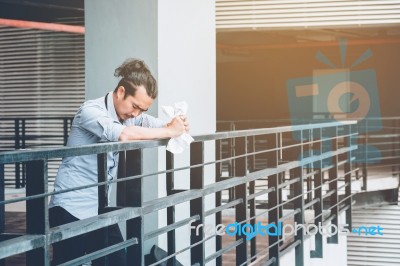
point(175, 128)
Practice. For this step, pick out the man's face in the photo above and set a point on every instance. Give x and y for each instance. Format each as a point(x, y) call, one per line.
point(131, 106)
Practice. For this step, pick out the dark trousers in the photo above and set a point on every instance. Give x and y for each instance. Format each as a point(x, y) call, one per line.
point(75, 247)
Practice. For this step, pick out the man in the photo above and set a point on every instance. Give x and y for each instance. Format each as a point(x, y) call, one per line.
point(118, 116)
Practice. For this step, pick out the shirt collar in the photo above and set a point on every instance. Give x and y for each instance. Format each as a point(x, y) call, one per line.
point(111, 107)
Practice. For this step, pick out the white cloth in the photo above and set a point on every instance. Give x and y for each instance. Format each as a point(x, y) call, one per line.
point(178, 144)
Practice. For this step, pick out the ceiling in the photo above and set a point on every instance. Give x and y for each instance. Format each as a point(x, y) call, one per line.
point(250, 45)
point(72, 12)
point(65, 11)
point(272, 37)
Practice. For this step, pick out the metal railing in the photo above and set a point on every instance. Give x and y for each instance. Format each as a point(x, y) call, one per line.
point(318, 180)
point(31, 133)
point(378, 155)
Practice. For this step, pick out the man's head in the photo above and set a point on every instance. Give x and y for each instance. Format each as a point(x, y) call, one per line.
point(135, 91)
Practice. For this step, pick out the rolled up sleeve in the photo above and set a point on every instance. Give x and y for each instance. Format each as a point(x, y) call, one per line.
point(97, 121)
point(150, 121)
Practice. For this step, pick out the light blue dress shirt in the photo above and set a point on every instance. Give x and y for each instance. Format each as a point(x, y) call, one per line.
point(93, 123)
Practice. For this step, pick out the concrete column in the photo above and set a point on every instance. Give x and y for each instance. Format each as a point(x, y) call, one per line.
point(176, 38)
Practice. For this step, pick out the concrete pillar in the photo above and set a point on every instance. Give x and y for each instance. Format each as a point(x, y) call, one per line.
point(176, 38)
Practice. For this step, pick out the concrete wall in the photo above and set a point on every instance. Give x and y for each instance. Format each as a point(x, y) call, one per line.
point(186, 72)
point(115, 31)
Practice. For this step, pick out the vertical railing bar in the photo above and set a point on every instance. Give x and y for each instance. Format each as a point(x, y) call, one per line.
point(318, 207)
point(37, 215)
point(280, 180)
point(252, 165)
point(252, 202)
point(121, 186)
point(280, 146)
point(232, 151)
point(102, 177)
point(197, 205)
point(17, 147)
point(273, 197)
point(218, 195)
point(308, 169)
point(241, 193)
point(23, 146)
point(23, 133)
point(347, 177)
point(298, 189)
point(170, 210)
point(65, 131)
point(398, 147)
point(102, 194)
point(333, 186)
point(134, 198)
point(364, 164)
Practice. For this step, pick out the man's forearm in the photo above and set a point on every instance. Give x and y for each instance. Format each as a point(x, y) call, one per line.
point(144, 133)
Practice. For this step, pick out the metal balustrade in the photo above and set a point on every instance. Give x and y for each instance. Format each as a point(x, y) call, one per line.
point(377, 157)
point(32, 133)
point(312, 174)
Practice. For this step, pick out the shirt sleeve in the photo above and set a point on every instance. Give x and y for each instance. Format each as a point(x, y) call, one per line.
point(97, 121)
point(150, 121)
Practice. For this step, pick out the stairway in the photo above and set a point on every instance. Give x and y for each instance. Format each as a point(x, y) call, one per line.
point(379, 250)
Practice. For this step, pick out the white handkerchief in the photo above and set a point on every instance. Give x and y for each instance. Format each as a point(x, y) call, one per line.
point(178, 144)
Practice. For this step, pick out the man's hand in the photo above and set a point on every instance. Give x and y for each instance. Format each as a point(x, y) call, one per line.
point(178, 126)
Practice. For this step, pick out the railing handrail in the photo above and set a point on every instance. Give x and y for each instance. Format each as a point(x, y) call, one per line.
point(40, 154)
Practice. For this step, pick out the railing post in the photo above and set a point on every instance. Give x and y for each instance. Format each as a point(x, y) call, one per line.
point(134, 197)
point(65, 131)
point(121, 186)
point(333, 186)
point(197, 205)
point(218, 195)
point(130, 194)
point(102, 177)
point(298, 203)
point(23, 146)
point(252, 189)
point(318, 206)
point(102, 191)
point(273, 196)
point(37, 215)
point(397, 147)
point(298, 189)
point(241, 193)
point(364, 164)
point(347, 177)
point(17, 139)
point(170, 210)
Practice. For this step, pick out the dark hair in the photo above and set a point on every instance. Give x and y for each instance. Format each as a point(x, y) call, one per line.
point(134, 73)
